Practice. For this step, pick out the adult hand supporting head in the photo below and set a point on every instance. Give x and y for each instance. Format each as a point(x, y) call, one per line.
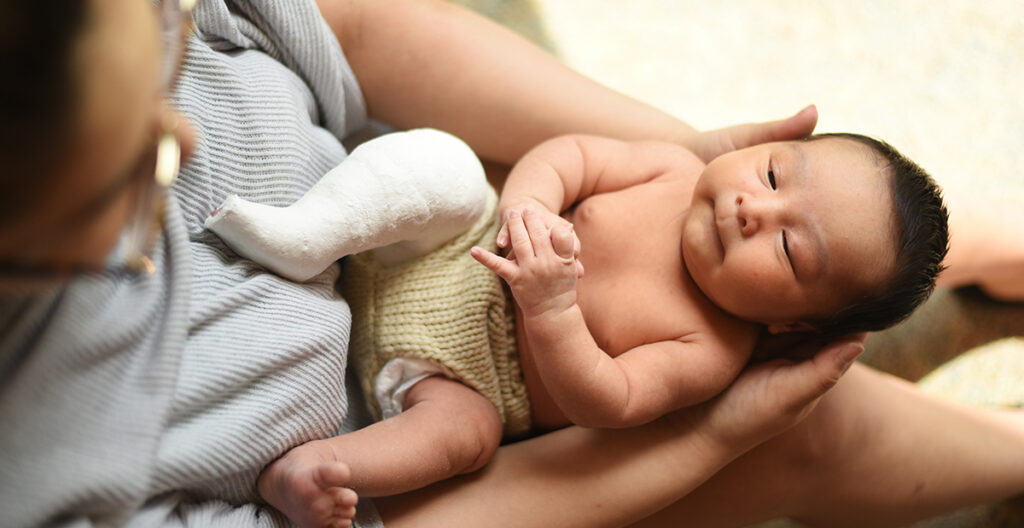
point(713, 143)
point(768, 398)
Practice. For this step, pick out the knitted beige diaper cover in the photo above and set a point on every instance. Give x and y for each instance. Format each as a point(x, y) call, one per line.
point(443, 307)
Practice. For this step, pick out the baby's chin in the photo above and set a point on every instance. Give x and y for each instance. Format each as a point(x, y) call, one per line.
point(698, 270)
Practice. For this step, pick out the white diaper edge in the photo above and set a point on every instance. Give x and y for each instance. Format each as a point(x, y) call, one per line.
point(398, 376)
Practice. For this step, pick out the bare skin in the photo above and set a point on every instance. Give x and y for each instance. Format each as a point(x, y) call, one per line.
point(368, 31)
point(599, 354)
point(817, 472)
point(310, 498)
point(655, 347)
point(455, 430)
point(628, 466)
point(928, 456)
point(99, 161)
point(982, 250)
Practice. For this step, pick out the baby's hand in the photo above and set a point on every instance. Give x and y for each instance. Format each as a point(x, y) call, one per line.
point(544, 272)
point(550, 219)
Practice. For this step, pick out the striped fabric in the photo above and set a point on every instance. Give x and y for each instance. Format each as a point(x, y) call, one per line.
point(158, 400)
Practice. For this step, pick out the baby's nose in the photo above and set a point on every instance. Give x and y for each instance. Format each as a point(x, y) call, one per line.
point(754, 214)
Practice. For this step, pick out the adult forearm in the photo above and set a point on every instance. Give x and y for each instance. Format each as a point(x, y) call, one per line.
point(612, 477)
point(430, 63)
point(569, 478)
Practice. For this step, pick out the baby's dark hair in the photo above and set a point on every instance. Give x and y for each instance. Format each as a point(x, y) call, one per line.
point(922, 240)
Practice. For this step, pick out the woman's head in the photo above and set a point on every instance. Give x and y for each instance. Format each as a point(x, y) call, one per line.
point(79, 125)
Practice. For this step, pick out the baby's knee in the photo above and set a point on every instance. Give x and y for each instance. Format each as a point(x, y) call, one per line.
point(472, 424)
point(450, 176)
point(429, 161)
point(488, 433)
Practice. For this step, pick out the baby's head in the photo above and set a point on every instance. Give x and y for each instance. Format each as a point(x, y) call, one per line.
point(837, 233)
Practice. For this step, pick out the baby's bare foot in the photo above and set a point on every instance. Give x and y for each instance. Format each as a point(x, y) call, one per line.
point(307, 485)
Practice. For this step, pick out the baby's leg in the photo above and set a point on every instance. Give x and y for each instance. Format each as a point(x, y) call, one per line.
point(309, 486)
point(412, 191)
point(446, 429)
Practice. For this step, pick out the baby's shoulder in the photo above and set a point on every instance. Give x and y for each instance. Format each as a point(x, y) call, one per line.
point(681, 165)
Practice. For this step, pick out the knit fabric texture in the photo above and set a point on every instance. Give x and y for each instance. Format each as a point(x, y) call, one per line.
point(157, 400)
point(444, 307)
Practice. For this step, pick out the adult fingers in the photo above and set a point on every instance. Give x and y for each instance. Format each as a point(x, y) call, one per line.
point(809, 380)
point(712, 144)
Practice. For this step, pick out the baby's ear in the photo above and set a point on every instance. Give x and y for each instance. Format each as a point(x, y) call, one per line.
point(782, 328)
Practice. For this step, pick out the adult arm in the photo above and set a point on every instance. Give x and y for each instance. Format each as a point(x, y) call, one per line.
point(430, 63)
point(605, 477)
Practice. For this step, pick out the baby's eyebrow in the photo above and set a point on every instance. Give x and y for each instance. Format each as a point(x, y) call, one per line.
point(813, 253)
point(801, 158)
point(818, 252)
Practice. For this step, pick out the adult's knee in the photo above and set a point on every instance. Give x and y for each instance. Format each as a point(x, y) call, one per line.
point(821, 453)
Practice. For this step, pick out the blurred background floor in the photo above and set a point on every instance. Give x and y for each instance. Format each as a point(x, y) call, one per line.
point(941, 81)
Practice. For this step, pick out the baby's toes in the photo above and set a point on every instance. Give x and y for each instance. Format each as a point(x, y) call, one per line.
point(331, 475)
point(344, 497)
point(338, 522)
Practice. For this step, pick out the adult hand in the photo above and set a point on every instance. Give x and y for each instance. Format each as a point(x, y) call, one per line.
point(768, 398)
point(711, 144)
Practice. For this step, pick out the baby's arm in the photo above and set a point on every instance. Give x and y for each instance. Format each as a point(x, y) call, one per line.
point(592, 388)
point(562, 171)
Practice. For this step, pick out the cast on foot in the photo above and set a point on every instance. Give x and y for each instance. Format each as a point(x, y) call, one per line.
point(432, 184)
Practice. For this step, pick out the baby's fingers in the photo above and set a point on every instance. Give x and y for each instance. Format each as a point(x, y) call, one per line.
point(503, 267)
point(538, 232)
point(502, 239)
point(563, 241)
point(519, 235)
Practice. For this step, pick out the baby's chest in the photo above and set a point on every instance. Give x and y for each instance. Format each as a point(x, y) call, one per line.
point(624, 218)
point(626, 310)
point(635, 289)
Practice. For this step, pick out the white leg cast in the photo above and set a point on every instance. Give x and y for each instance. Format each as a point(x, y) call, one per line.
point(406, 193)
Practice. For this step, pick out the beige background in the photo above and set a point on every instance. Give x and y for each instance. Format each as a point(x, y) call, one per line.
point(941, 81)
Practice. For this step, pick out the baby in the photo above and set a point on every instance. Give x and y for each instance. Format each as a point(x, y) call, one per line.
point(685, 265)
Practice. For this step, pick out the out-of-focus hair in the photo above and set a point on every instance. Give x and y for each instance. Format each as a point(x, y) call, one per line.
point(38, 103)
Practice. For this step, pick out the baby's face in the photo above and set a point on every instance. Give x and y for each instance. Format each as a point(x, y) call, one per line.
point(784, 232)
